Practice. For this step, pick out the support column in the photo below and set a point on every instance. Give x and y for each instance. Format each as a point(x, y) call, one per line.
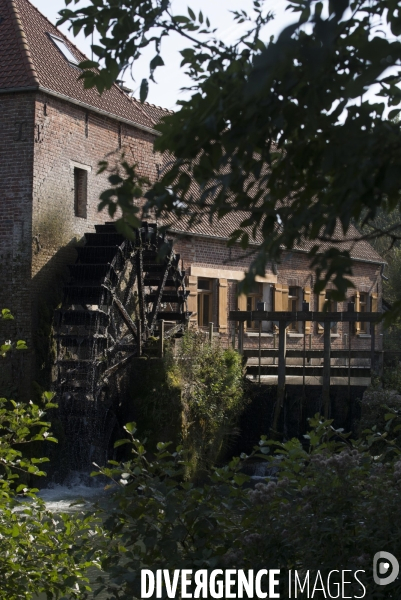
point(241, 338)
point(326, 369)
point(372, 349)
point(161, 338)
point(281, 375)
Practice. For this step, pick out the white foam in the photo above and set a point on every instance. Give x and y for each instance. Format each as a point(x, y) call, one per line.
point(78, 486)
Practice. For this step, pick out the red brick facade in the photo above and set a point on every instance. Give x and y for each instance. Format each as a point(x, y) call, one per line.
point(210, 258)
point(54, 131)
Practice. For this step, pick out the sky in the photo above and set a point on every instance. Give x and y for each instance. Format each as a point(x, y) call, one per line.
point(171, 78)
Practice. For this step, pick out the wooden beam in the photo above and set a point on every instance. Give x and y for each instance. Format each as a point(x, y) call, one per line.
point(326, 369)
point(161, 338)
point(372, 347)
point(289, 317)
point(281, 376)
point(241, 338)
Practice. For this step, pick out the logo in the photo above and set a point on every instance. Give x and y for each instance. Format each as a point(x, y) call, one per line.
point(385, 563)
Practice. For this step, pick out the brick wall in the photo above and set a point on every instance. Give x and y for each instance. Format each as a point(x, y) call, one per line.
point(43, 139)
point(16, 159)
point(68, 136)
point(292, 270)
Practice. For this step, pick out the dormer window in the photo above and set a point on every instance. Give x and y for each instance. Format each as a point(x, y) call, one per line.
point(64, 49)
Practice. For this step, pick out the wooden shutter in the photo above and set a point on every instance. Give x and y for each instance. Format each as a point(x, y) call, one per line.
point(357, 309)
point(307, 298)
point(284, 292)
point(277, 298)
point(223, 287)
point(192, 284)
point(280, 297)
point(374, 304)
point(321, 300)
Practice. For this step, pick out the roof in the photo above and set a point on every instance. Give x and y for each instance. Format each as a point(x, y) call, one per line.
point(222, 229)
point(29, 59)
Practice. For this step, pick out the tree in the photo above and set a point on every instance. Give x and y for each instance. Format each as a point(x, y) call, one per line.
point(279, 130)
point(39, 552)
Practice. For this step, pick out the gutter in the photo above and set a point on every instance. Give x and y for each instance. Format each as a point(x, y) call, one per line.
point(99, 111)
point(19, 89)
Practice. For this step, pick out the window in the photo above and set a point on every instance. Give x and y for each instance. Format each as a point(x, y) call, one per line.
point(205, 302)
point(251, 301)
point(80, 192)
point(64, 49)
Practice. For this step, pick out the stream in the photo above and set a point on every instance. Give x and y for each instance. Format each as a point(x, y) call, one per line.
point(60, 498)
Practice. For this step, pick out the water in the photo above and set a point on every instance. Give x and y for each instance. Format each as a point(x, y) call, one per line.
point(63, 499)
point(77, 486)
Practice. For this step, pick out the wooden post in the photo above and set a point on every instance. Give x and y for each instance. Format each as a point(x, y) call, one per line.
point(326, 369)
point(274, 346)
point(241, 338)
point(349, 359)
point(139, 335)
point(381, 363)
point(303, 363)
point(372, 349)
point(281, 374)
point(210, 332)
point(161, 338)
point(260, 346)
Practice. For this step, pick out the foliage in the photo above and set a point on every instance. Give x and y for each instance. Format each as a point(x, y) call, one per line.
point(39, 552)
point(280, 131)
point(5, 315)
point(325, 510)
point(377, 401)
point(212, 396)
point(193, 397)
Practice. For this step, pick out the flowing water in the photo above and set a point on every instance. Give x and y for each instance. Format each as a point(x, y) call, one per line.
point(62, 498)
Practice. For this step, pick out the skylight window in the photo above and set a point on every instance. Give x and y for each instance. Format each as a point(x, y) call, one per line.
point(64, 49)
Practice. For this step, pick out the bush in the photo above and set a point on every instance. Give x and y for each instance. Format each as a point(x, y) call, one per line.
point(332, 506)
point(193, 396)
point(39, 552)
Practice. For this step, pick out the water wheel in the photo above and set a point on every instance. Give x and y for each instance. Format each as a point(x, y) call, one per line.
point(119, 292)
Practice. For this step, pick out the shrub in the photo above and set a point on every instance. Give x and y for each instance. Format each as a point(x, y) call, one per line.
point(333, 506)
point(193, 396)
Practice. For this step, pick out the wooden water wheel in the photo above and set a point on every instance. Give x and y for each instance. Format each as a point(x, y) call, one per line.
point(119, 292)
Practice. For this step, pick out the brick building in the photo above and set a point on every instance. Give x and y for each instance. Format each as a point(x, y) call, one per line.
point(53, 135)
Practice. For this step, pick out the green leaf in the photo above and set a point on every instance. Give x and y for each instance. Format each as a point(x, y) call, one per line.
point(144, 90)
point(119, 443)
point(130, 427)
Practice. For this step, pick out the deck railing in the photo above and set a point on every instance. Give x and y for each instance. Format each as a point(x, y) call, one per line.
point(326, 319)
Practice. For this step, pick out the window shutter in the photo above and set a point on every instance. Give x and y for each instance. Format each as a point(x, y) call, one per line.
point(277, 298)
point(284, 293)
point(192, 284)
point(321, 300)
point(357, 309)
point(242, 302)
point(374, 303)
point(223, 305)
point(307, 298)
